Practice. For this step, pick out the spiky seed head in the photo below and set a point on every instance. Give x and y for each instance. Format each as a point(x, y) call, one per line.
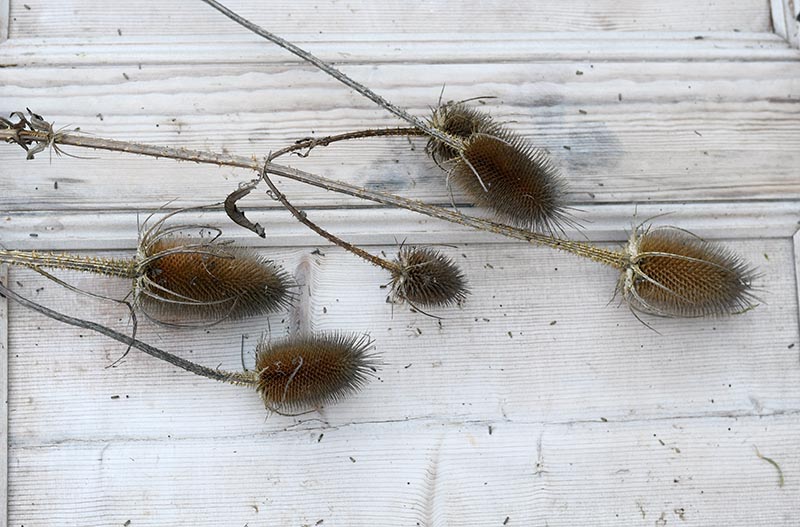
point(310, 371)
point(500, 170)
point(188, 279)
point(521, 183)
point(459, 121)
point(673, 273)
point(425, 277)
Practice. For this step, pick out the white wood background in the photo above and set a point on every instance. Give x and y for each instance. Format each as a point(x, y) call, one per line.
point(537, 403)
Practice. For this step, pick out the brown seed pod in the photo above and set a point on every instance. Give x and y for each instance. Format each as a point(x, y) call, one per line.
point(425, 277)
point(457, 120)
point(310, 371)
point(673, 273)
point(500, 170)
point(184, 278)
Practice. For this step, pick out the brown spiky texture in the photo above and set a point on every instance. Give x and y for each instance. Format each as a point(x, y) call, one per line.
point(671, 272)
point(458, 120)
point(311, 371)
point(206, 282)
point(425, 277)
point(500, 170)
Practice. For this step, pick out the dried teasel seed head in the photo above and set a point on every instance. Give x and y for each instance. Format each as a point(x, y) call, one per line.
point(671, 272)
point(310, 371)
point(425, 277)
point(185, 278)
point(460, 121)
point(500, 170)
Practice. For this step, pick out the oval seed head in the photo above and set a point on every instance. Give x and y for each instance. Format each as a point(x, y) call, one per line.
point(427, 278)
point(310, 371)
point(184, 279)
point(500, 170)
point(674, 273)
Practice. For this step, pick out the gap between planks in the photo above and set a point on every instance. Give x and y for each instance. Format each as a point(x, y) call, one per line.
point(411, 49)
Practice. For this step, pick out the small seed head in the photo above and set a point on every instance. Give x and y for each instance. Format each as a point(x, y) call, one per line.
point(425, 277)
point(310, 371)
point(673, 273)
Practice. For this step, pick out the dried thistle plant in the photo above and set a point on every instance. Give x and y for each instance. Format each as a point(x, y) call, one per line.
point(180, 279)
point(739, 272)
point(300, 372)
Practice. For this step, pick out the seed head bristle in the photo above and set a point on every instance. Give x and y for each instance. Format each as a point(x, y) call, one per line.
point(427, 278)
point(500, 170)
point(184, 279)
point(673, 273)
point(457, 120)
point(310, 371)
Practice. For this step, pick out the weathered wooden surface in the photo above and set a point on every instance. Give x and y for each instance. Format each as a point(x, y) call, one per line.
point(537, 403)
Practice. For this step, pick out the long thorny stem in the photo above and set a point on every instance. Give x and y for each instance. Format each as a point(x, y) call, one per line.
point(338, 75)
point(121, 268)
point(27, 137)
point(239, 378)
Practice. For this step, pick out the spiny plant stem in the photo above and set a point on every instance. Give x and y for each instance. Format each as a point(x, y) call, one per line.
point(336, 74)
point(312, 142)
point(612, 258)
point(106, 266)
point(302, 218)
point(239, 378)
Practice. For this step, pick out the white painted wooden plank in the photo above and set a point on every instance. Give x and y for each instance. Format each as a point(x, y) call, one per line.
point(4, 397)
point(90, 18)
point(534, 339)
point(796, 239)
point(680, 132)
point(436, 48)
point(693, 472)
point(85, 230)
point(5, 20)
point(786, 20)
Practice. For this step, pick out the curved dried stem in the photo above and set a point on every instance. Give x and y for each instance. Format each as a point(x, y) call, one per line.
point(302, 218)
point(239, 378)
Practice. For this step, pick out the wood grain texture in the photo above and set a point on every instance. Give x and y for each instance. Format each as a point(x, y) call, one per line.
point(681, 132)
point(423, 48)
point(4, 396)
point(425, 473)
point(527, 353)
point(174, 18)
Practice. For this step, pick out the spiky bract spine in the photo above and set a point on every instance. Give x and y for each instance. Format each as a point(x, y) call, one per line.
point(310, 371)
point(425, 277)
point(671, 272)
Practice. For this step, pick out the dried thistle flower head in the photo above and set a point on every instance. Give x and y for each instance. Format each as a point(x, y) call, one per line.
point(183, 279)
point(427, 278)
point(310, 371)
point(671, 272)
point(499, 169)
